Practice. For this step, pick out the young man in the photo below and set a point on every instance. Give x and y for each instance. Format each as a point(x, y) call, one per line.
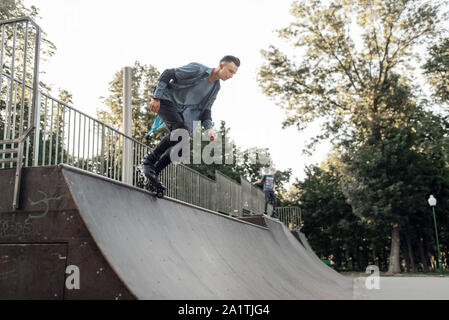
point(269, 187)
point(181, 96)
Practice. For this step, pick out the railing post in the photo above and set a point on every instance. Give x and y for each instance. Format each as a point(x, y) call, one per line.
point(18, 176)
point(103, 137)
point(36, 97)
point(37, 125)
point(127, 125)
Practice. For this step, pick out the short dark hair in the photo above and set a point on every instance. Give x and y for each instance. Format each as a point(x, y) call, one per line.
point(231, 59)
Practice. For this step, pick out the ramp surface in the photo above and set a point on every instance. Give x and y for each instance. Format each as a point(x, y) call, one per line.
point(148, 248)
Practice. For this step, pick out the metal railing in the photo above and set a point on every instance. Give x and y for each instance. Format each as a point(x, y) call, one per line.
point(43, 130)
point(75, 138)
point(291, 217)
point(19, 80)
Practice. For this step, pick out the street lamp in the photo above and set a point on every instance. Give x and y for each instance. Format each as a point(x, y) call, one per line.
point(433, 202)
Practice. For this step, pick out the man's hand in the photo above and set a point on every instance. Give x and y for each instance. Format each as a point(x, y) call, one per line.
point(212, 134)
point(154, 105)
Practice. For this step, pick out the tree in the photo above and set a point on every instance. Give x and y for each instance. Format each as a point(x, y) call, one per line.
point(10, 9)
point(337, 80)
point(359, 91)
point(15, 9)
point(437, 70)
point(143, 77)
point(387, 182)
point(329, 224)
point(228, 168)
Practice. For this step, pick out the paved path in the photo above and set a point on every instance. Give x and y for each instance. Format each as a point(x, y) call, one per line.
point(404, 288)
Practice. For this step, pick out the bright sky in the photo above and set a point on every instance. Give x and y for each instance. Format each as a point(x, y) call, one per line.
point(96, 38)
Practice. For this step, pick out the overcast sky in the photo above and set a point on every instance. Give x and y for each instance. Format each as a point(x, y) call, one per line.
point(96, 38)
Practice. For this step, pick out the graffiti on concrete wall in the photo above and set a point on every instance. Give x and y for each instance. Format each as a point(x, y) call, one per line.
point(11, 228)
point(45, 200)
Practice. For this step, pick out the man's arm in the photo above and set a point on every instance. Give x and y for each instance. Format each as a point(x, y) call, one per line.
point(206, 119)
point(257, 182)
point(165, 78)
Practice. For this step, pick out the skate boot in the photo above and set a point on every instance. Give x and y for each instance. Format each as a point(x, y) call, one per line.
point(274, 215)
point(157, 183)
point(148, 170)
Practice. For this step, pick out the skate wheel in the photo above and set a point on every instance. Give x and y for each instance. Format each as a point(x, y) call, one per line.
point(160, 194)
point(139, 184)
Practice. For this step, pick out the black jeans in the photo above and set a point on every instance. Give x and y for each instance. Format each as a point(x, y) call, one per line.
point(173, 120)
point(270, 194)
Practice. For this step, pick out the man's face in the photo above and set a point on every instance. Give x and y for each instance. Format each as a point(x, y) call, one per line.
point(227, 70)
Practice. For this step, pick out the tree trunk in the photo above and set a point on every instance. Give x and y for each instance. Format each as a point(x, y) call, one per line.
point(410, 249)
point(338, 258)
point(427, 253)
point(359, 258)
point(382, 259)
point(353, 261)
point(386, 260)
point(406, 255)
point(395, 266)
point(422, 254)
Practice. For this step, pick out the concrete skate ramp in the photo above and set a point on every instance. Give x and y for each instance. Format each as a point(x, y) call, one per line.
point(165, 249)
point(303, 240)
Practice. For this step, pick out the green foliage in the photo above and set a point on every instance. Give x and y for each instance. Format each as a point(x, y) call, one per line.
point(329, 224)
point(350, 52)
point(352, 67)
point(65, 96)
point(10, 9)
point(231, 170)
point(437, 70)
point(143, 77)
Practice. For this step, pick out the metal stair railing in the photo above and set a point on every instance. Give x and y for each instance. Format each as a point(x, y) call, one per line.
point(18, 160)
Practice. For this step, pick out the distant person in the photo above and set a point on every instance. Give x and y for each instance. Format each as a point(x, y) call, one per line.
point(330, 262)
point(269, 187)
point(181, 96)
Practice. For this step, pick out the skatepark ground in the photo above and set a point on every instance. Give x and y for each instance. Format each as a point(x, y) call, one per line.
point(402, 287)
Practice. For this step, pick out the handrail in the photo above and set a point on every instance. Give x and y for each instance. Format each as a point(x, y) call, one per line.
point(74, 109)
point(91, 118)
point(18, 160)
point(22, 19)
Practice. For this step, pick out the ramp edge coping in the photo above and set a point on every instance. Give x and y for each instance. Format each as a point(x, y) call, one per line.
point(97, 176)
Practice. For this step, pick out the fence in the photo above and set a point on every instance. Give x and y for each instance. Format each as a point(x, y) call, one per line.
point(19, 80)
point(291, 217)
point(48, 131)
